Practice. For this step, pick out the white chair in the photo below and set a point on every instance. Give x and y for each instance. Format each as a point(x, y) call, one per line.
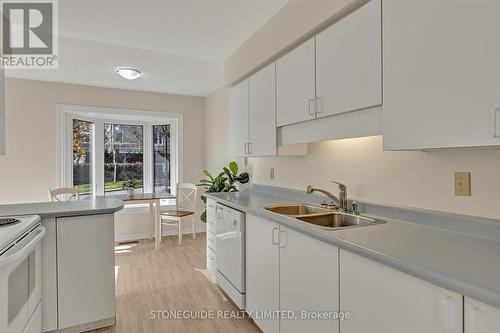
point(186, 204)
point(66, 193)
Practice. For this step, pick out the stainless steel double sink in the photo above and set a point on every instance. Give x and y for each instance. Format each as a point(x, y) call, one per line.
point(323, 217)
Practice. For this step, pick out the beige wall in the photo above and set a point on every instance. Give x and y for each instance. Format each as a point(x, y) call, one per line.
point(415, 179)
point(296, 22)
point(29, 168)
point(217, 153)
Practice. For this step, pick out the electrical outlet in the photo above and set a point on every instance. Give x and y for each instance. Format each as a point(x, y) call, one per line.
point(462, 184)
point(271, 173)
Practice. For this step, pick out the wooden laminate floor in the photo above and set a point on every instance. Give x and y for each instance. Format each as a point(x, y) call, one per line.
point(173, 279)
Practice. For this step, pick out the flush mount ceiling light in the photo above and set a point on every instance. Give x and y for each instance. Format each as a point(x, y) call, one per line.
point(129, 73)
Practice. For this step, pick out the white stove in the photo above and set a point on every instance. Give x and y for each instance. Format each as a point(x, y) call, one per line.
point(12, 228)
point(20, 274)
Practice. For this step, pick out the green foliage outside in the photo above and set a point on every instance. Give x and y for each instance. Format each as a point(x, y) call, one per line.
point(86, 188)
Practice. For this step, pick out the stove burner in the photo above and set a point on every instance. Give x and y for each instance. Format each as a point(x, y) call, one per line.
point(8, 221)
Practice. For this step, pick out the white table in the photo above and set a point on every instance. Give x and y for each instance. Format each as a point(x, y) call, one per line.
point(153, 199)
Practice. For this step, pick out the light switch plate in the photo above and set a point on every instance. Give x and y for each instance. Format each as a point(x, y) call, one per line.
point(462, 184)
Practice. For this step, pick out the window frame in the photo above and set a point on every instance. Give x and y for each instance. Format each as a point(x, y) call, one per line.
point(103, 115)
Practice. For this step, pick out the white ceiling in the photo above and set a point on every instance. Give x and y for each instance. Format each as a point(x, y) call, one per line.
point(180, 45)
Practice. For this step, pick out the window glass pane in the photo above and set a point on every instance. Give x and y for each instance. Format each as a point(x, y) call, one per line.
point(161, 158)
point(123, 158)
point(82, 156)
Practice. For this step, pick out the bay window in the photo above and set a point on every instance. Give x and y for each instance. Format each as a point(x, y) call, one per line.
point(102, 150)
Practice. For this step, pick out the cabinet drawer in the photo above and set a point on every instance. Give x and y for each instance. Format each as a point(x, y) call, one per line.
point(211, 241)
point(211, 263)
point(211, 215)
point(211, 226)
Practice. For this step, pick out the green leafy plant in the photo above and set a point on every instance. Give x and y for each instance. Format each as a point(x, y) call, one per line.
point(224, 182)
point(131, 184)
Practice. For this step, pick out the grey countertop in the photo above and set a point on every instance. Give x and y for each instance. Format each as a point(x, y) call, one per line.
point(467, 265)
point(64, 208)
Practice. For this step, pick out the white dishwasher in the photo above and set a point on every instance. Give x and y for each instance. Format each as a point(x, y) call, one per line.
point(230, 244)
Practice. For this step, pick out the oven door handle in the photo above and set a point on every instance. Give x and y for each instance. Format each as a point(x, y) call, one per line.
point(25, 250)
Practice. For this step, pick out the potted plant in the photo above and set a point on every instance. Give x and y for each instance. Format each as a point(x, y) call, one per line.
point(130, 185)
point(224, 182)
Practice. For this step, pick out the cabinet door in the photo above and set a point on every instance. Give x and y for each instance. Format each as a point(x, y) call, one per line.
point(441, 73)
point(308, 282)
point(349, 62)
point(262, 272)
point(481, 318)
point(295, 85)
point(383, 300)
point(238, 114)
point(86, 269)
point(262, 112)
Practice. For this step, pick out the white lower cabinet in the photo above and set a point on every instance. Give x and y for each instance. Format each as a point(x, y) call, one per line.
point(308, 283)
point(291, 273)
point(291, 277)
point(480, 317)
point(383, 300)
point(85, 270)
point(262, 272)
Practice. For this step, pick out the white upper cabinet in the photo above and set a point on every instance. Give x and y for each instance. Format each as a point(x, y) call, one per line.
point(253, 117)
point(349, 62)
point(480, 318)
point(441, 73)
point(295, 85)
point(383, 300)
point(2, 111)
point(238, 106)
point(262, 113)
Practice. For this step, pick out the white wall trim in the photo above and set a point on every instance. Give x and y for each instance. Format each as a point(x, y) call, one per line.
point(66, 112)
point(186, 231)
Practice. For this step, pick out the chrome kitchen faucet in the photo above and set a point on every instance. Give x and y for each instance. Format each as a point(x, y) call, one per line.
point(341, 199)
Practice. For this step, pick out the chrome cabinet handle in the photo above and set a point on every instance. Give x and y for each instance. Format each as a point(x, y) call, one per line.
point(274, 241)
point(319, 105)
point(249, 148)
point(495, 129)
point(313, 112)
